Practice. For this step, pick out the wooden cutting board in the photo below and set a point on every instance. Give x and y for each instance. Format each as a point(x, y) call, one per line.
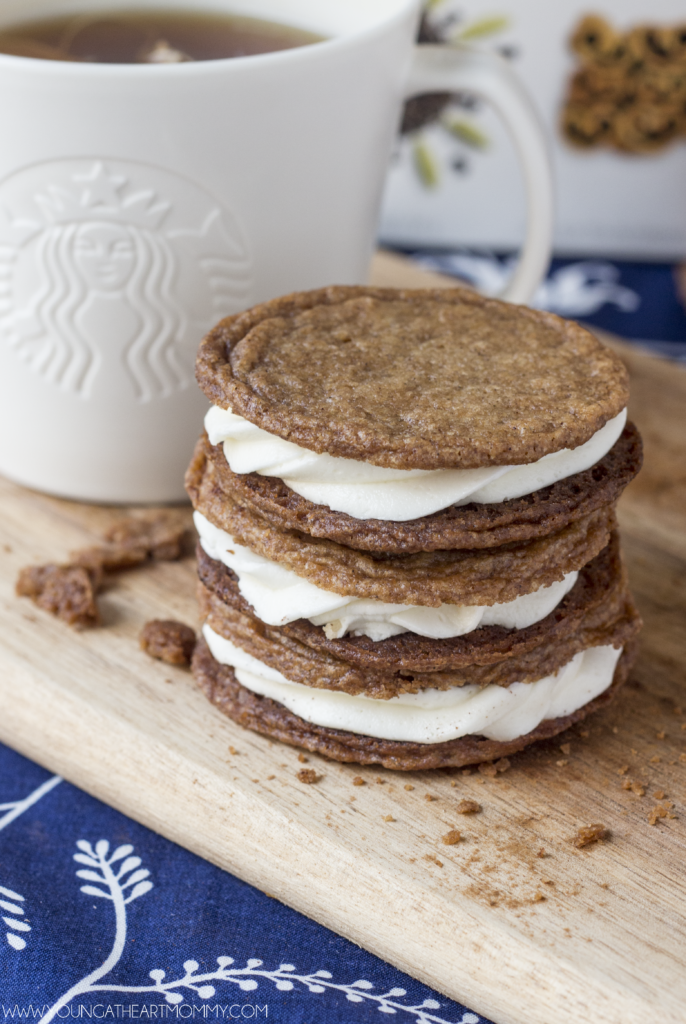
point(514, 920)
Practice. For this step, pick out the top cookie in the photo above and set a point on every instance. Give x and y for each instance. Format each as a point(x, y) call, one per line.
point(421, 379)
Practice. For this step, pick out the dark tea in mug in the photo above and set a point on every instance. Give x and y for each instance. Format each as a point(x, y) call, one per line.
point(149, 37)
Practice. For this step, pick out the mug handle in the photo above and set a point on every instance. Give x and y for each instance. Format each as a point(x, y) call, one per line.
point(460, 68)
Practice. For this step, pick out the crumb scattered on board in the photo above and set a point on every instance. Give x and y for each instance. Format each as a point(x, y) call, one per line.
point(68, 590)
point(434, 859)
point(167, 640)
point(452, 837)
point(663, 810)
point(468, 807)
point(588, 834)
point(308, 776)
point(492, 769)
point(160, 534)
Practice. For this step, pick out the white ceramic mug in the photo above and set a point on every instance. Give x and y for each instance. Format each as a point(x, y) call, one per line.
point(139, 204)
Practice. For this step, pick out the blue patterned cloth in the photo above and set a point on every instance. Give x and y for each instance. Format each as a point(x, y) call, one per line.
point(638, 301)
point(104, 919)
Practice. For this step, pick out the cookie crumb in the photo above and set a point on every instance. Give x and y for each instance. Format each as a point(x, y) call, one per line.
point(66, 591)
point(429, 797)
point(389, 817)
point(161, 534)
point(538, 897)
point(657, 812)
point(359, 781)
point(270, 777)
point(434, 859)
point(158, 536)
point(590, 834)
point(566, 748)
point(623, 770)
point(303, 759)
point(232, 750)
point(409, 787)
point(488, 769)
point(452, 837)
point(308, 776)
point(562, 764)
point(541, 853)
point(379, 781)
point(659, 794)
point(168, 641)
point(638, 789)
point(655, 760)
point(660, 735)
point(468, 807)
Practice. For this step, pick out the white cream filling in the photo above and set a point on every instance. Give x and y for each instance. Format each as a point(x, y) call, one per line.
point(364, 491)
point(279, 596)
point(431, 716)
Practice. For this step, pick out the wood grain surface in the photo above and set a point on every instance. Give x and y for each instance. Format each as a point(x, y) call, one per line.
point(514, 920)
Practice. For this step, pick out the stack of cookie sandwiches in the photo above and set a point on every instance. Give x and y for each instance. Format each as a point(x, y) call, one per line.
point(406, 507)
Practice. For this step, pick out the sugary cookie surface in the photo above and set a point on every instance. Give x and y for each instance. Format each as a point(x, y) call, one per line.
point(413, 379)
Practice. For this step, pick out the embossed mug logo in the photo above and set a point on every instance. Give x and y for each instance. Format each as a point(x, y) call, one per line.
point(110, 272)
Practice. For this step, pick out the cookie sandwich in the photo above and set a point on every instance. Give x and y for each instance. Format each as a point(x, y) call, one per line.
point(406, 504)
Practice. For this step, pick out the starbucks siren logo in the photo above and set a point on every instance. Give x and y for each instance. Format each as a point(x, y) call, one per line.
point(111, 272)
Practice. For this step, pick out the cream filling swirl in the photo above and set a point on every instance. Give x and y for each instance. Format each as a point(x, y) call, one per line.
point(279, 596)
point(364, 491)
point(431, 716)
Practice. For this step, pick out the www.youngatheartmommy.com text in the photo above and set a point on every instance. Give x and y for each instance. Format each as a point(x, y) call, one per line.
point(143, 1011)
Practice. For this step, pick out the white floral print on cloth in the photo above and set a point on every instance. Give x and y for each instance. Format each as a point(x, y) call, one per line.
point(134, 926)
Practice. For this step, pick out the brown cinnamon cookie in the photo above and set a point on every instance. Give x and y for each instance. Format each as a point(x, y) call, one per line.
point(612, 624)
point(266, 716)
point(424, 379)
point(598, 600)
point(431, 578)
point(460, 526)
